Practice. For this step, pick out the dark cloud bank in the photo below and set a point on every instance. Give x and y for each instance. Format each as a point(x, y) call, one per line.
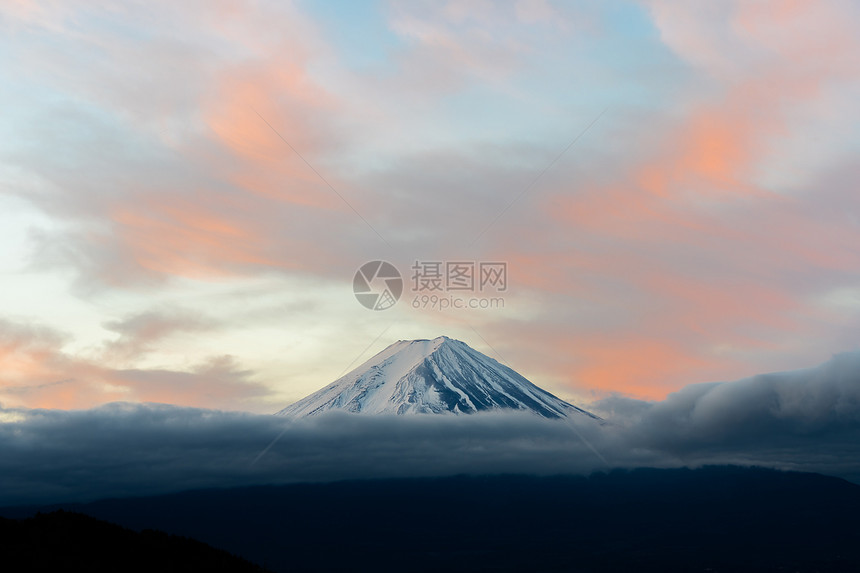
point(804, 420)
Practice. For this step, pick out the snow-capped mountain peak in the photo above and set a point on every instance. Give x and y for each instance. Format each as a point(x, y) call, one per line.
point(441, 375)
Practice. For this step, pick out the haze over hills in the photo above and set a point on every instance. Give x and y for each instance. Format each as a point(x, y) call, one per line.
point(433, 376)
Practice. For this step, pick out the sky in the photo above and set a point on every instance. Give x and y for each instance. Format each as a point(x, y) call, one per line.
point(188, 189)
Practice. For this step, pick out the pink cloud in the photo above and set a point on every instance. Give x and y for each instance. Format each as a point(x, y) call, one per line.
point(682, 266)
point(652, 269)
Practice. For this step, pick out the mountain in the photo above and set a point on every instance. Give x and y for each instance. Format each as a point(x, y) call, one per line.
point(432, 376)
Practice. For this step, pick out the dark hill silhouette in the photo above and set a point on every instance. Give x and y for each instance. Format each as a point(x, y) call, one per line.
point(716, 519)
point(65, 541)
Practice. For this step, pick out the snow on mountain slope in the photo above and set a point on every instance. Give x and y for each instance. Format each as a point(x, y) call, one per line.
point(432, 376)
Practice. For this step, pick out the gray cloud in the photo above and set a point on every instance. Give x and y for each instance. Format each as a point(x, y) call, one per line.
point(123, 449)
point(807, 420)
point(139, 332)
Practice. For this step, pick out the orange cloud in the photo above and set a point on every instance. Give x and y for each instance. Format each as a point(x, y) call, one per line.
point(641, 366)
point(37, 373)
point(248, 105)
point(180, 240)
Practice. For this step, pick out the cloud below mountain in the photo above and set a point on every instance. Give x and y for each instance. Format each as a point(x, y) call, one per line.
point(804, 420)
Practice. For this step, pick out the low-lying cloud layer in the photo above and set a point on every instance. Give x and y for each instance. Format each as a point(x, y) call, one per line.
point(806, 420)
